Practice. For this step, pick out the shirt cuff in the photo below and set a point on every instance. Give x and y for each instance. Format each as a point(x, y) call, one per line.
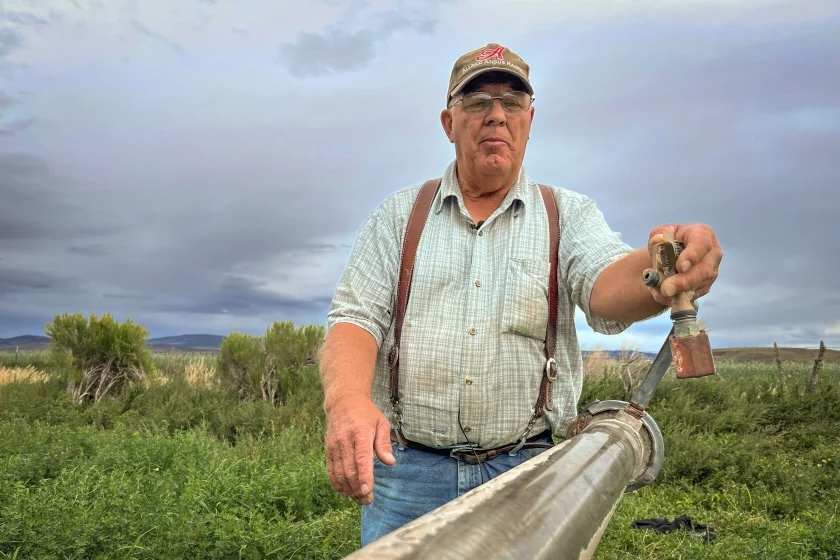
point(369, 326)
point(597, 323)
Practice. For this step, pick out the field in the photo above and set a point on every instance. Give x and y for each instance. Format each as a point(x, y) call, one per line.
point(179, 469)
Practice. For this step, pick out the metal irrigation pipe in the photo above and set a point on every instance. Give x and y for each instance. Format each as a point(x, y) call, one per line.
point(556, 505)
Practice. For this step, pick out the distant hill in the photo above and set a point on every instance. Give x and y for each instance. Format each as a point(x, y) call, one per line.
point(617, 354)
point(184, 342)
point(212, 342)
point(765, 355)
point(187, 342)
point(25, 342)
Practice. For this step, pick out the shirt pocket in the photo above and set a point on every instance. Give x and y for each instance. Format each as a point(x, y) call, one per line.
point(526, 298)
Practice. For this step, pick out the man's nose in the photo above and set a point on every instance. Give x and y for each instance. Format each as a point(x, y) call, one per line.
point(496, 115)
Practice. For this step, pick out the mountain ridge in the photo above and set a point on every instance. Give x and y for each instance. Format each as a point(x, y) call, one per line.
point(185, 342)
point(212, 342)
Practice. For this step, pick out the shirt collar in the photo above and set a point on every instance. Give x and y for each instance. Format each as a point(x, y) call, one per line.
point(516, 196)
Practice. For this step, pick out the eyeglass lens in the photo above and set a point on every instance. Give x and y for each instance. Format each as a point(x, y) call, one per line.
point(512, 102)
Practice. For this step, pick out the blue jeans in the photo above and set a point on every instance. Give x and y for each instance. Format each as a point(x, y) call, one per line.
point(421, 481)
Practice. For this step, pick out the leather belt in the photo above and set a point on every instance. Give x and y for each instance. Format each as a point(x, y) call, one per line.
point(475, 456)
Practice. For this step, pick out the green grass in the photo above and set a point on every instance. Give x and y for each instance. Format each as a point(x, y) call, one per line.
point(760, 466)
point(181, 470)
point(84, 493)
point(36, 358)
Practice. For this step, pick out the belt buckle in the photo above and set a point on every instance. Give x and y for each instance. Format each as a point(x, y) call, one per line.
point(468, 454)
point(551, 369)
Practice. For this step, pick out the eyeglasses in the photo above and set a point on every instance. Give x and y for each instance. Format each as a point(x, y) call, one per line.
point(481, 102)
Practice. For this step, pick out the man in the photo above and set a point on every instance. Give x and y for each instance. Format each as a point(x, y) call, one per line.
point(473, 352)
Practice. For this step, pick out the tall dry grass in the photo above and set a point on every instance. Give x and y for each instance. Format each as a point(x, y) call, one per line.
point(25, 374)
point(196, 370)
point(598, 364)
point(199, 373)
point(630, 365)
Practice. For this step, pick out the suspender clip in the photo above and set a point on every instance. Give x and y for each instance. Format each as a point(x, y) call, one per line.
point(551, 369)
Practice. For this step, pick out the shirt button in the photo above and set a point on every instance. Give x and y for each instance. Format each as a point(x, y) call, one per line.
point(468, 381)
point(467, 430)
point(478, 283)
point(473, 331)
point(480, 232)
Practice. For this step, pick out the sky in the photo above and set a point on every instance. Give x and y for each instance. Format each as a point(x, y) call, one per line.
point(204, 166)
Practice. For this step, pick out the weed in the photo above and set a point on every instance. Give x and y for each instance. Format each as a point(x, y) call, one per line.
point(183, 469)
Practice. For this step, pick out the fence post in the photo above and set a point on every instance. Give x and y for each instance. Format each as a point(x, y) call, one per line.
point(815, 373)
point(779, 366)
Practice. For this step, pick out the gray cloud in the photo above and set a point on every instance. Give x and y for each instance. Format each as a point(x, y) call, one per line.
point(39, 207)
point(131, 297)
point(15, 126)
point(337, 50)
point(246, 295)
point(9, 41)
point(235, 202)
point(742, 134)
point(333, 51)
point(16, 323)
point(23, 18)
point(6, 100)
point(16, 281)
point(143, 30)
point(92, 250)
point(125, 248)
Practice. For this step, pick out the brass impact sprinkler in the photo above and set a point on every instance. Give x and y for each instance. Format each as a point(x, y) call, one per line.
point(690, 347)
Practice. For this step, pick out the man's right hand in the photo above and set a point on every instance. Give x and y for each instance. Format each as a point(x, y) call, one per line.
point(355, 429)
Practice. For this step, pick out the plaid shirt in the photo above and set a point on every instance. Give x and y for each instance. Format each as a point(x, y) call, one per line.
point(472, 357)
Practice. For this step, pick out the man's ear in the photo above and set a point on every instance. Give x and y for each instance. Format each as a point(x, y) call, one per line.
point(446, 123)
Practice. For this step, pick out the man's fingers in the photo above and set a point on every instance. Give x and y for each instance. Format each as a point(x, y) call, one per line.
point(698, 262)
point(342, 473)
point(352, 433)
point(358, 465)
point(699, 240)
point(659, 230)
point(694, 252)
point(701, 246)
point(658, 297)
point(363, 460)
point(382, 443)
point(331, 472)
point(351, 469)
point(335, 469)
point(698, 278)
point(678, 284)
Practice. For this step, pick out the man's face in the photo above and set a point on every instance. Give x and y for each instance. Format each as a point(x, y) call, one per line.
point(490, 141)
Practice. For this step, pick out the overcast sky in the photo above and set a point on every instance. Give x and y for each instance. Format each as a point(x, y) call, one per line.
point(203, 167)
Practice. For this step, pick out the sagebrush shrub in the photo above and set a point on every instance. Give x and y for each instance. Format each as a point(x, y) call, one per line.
point(98, 356)
point(266, 367)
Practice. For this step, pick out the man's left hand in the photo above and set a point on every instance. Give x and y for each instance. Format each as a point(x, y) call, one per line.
point(697, 265)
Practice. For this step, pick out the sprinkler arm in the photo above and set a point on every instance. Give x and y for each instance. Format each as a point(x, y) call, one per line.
point(692, 353)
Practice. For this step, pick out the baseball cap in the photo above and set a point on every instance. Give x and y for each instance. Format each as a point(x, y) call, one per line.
point(491, 58)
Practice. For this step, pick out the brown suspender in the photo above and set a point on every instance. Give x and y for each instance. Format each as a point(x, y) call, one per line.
point(413, 231)
point(544, 400)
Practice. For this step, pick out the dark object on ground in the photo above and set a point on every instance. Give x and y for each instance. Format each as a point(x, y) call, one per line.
point(683, 522)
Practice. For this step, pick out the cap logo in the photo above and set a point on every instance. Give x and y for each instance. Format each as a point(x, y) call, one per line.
point(487, 54)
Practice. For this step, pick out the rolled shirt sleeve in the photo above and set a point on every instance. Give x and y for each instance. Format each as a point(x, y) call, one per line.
point(366, 291)
point(587, 247)
point(472, 351)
